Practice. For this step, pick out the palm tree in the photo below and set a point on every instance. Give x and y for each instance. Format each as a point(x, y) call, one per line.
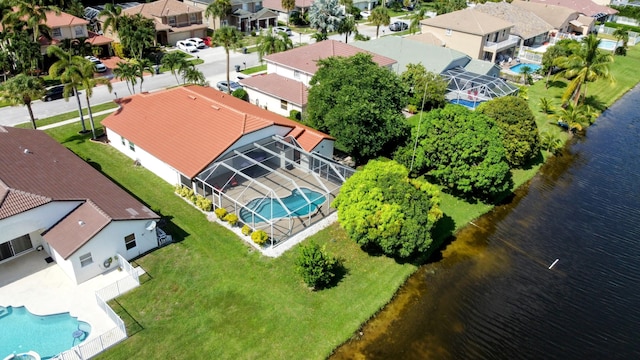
point(35, 15)
point(69, 68)
point(112, 15)
point(191, 75)
point(127, 72)
point(270, 43)
point(526, 71)
point(347, 27)
point(288, 5)
point(218, 9)
point(88, 83)
point(143, 65)
point(588, 64)
point(623, 37)
point(415, 21)
point(379, 16)
point(574, 117)
point(229, 38)
point(325, 16)
point(22, 90)
point(550, 142)
point(173, 61)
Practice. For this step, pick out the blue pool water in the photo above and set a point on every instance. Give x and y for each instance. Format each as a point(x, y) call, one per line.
point(272, 209)
point(518, 68)
point(21, 331)
point(607, 44)
point(468, 103)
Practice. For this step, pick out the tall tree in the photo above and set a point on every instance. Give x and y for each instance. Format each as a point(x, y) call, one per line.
point(22, 90)
point(379, 17)
point(416, 17)
point(288, 5)
point(325, 16)
point(35, 15)
point(88, 82)
point(622, 36)
point(270, 43)
point(111, 15)
point(129, 73)
point(143, 65)
point(136, 33)
point(69, 68)
point(588, 64)
point(560, 49)
point(24, 52)
point(229, 38)
point(218, 9)
point(347, 27)
point(191, 75)
point(427, 90)
point(345, 101)
point(174, 61)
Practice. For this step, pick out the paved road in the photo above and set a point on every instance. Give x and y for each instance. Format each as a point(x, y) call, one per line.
point(214, 69)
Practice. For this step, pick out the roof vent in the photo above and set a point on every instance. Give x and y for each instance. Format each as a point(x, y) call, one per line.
point(27, 151)
point(192, 97)
point(215, 107)
point(80, 222)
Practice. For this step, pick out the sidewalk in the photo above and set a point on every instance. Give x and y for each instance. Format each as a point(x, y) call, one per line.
point(65, 122)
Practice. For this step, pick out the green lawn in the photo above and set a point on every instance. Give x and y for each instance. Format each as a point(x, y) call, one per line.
point(69, 115)
point(211, 294)
point(255, 69)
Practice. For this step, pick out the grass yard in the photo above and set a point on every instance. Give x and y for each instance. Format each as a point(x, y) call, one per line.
point(69, 115)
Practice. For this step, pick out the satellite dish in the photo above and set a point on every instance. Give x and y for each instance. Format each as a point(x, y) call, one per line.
point(150, 225)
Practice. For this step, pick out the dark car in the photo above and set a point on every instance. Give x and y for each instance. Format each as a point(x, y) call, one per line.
point(55, 92)
point(399, 26)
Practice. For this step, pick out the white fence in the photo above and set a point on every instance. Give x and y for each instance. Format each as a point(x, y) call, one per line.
point(634, 37)
point(92, 347)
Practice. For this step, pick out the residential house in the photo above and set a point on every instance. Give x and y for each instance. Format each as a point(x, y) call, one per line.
point(586, 7)
point(302, 6)
point(53, 201)
point(246, 15)
point(563, 19)
point(474, 33)
point(530, 28)
point(174, 20)
point(299, 64)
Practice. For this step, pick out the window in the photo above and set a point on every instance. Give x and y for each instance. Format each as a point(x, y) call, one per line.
point(130, 241)
point(56, 32)
point(193, 18)
point(132, 146)
point(172, 20)
point(79, 31)
point(296, 74)
point(449, 32)
point(86, 260)
point(284, 105)
point(123, 141)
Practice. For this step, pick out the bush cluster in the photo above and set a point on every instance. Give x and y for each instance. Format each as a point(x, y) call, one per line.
point(200, 201)
point(220, 212)
point(246, 230)
point(259, 237)
point(231, 218)
point(316, 266)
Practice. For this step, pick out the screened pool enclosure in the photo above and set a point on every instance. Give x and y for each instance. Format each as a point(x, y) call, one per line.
point(274, 185)
point(471, 89)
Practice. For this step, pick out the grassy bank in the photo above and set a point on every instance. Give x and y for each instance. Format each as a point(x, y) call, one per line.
point(68, 115)
point(211, 296)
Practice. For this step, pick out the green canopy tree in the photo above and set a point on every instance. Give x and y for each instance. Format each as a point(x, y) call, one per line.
point(325, 16)
point(587, 65)
point(348, 27)
point(427, 89)
point(22, 90)
point(218, 9)
point(380, 17)
point(229, 38)
point(380, 207)
point(416, 17)
point(560, 49)
point(35, 15)
point(518, 128)
point(111, 15)
point(359, 103)
point(288, 6)
point(136, 33)
point(461, 150)
point(88, 82)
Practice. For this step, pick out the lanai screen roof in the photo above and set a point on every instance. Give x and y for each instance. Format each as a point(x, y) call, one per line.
point(465, 84)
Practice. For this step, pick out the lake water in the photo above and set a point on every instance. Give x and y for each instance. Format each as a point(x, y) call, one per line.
point(493, 296)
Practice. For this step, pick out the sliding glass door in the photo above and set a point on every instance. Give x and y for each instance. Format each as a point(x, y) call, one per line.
point(15, 247)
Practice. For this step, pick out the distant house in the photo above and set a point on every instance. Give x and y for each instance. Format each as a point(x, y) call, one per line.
point(302, 6)
point(246, 15)
point(174, 20)
point(561, 18)
point(527, 25)
point(586, 7)
point(289, 73)
point(475, 33)
point(52, 201)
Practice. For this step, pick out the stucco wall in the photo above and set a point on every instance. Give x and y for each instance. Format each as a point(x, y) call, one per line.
point(288, 73)
point(37, 219)
point(269, 102)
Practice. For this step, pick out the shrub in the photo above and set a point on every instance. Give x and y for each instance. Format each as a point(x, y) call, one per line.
point(203, 203)
point(118, 50)
point(412, 109)
point(232, 219)
point(220, 213)
point(193, 199)
point(259, 237)
point(361, 37)
point(295, 115)
point(240, 94)
point(316, 266)
point(246, 230)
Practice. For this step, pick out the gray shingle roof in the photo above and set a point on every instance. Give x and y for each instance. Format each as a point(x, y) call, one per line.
point(468, 21)
point(526, 24)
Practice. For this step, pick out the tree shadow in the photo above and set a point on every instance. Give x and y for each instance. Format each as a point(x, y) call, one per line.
point(595, 103)
point(557, 84)
point(534, 161)
point(340, 272)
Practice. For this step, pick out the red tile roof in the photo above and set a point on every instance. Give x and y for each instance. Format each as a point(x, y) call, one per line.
point(97, 39)
point(162, 8)
point(63, 19)
point(305, 58)
point(191, 126)
point(278, 86)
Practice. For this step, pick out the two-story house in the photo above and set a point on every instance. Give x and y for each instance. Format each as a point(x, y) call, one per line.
point(475, 33)
point(246, 15)
point(563, 19)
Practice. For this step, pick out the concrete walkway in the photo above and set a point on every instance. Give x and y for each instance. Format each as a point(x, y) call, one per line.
point(65, 122)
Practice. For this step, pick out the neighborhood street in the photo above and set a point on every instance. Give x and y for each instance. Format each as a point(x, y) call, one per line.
point(214, 69)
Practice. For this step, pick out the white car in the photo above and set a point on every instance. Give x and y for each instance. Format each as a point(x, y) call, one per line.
point(365, 14)
point(97, 64)
point(186, 46)
point(199, 43)
point(284, 29)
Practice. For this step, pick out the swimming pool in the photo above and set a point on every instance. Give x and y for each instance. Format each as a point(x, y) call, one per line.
point(518, 68)
point(272, 209)
point(22, 331)
point(610, 45)
point(468, 103)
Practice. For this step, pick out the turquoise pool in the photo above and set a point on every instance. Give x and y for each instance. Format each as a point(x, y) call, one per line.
point(606, 44)
point(22, 331)
point(272, 209)
point(468, 103)
point(518, 68)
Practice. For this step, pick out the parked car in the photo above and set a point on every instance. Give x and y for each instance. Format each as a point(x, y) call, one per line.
point(398, 26)
point(186, 46)
point(55, 92)
point(365, 14)
point(222, 86)
point(97, 64)
point(199, 43)
point(284, 29)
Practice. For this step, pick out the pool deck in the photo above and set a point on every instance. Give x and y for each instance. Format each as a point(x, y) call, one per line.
point(45, 289)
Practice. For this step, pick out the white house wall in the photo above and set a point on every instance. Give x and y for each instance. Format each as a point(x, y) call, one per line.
point(288, 73)
point(150, 162)
point(270, 102)
point(107, 243)
point(35, 220)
